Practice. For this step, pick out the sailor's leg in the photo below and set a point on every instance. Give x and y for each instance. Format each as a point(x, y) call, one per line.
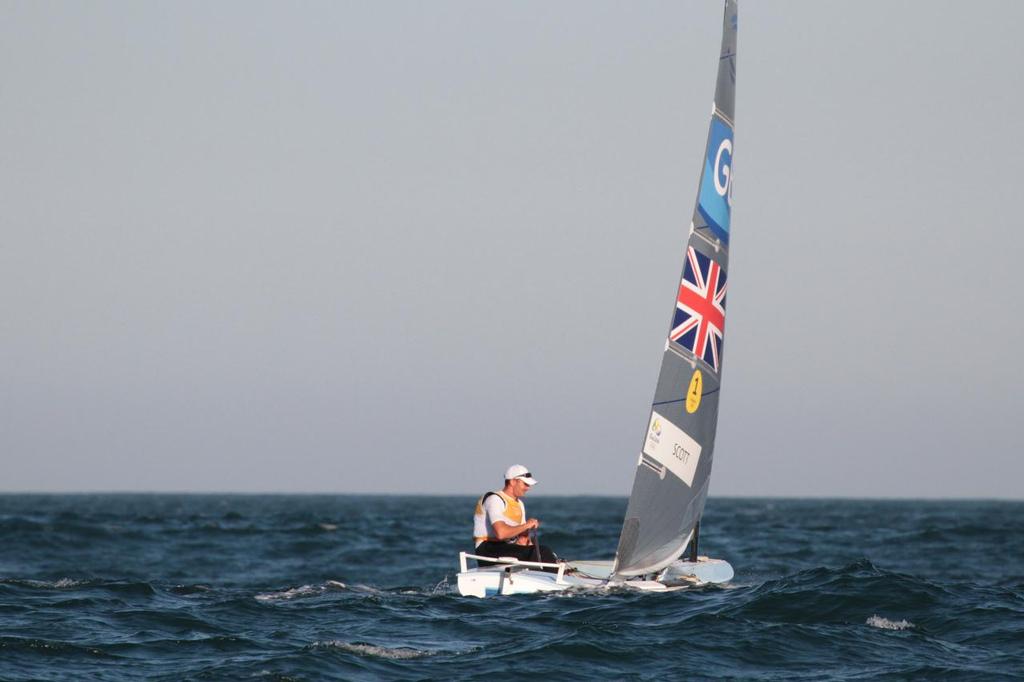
point(494, 549)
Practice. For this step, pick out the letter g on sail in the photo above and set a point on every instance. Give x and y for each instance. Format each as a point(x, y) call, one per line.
point(723, 162)
point(715, 201)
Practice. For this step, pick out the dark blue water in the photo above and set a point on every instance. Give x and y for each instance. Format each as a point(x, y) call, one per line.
point(175, 587)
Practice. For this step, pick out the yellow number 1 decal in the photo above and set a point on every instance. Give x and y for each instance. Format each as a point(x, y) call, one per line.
point(694, 392)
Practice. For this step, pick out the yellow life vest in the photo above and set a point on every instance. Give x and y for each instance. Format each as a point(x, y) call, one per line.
point(515, 514)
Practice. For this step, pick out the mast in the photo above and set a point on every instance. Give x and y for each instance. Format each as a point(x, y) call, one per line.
point(673, 470)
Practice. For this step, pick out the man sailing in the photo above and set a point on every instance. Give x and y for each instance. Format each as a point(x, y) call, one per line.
point(500, 525)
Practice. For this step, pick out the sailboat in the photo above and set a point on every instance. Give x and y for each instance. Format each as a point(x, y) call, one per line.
point(670, 487)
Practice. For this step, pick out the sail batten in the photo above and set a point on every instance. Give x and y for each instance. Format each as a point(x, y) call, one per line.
point(674, 467)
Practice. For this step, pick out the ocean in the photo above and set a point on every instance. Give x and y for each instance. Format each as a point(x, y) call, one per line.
point(311, 587)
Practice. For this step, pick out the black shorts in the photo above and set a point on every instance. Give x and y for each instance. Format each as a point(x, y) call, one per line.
point(496, 548)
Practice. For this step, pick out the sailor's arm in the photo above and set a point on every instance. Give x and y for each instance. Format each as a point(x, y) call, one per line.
point(507, 531)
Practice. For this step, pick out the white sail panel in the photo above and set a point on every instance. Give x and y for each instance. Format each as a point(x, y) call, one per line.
point(672, 447)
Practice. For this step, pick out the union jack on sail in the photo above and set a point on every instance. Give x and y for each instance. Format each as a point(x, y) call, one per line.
point(699, 322)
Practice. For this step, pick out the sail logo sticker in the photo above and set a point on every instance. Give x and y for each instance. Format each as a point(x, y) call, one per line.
point(699, 321)
point(656, 428)
point(715, 200)
point(693, 393)
point(672, 447)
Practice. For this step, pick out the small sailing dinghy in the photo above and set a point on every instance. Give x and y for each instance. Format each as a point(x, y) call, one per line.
point(671, 482)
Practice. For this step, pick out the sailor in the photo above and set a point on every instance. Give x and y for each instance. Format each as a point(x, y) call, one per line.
point(500, 525)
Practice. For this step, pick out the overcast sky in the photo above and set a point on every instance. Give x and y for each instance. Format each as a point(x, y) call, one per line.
point(397, 246)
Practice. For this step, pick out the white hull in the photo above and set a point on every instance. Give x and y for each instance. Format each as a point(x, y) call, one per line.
point(522, 577)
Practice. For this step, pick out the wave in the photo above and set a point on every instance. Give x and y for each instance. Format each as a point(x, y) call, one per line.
point(954, 533)
point(12, 524)
point(374, 650)
point(37, 533)
point(394, 653)
point(186, 590)
point(303, 591)
point(48, 647)
point(846, 594)
point(362, 590)
point(119, 587)
point(886, 624)
point(60, 584)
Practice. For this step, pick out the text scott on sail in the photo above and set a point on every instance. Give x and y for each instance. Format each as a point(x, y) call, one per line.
point(680, 452)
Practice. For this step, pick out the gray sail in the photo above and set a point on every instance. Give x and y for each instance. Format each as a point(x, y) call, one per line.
point(674, 466)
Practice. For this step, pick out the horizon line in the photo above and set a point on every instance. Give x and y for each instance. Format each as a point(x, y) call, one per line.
point(278, 493)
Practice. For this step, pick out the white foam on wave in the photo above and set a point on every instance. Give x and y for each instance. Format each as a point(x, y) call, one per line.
point(366, 589)
point(292, 593)
point(363, 649)
point(301, 591)
point(61, 584)
point(886, 624)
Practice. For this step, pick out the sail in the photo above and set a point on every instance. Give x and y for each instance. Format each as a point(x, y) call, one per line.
point(674, 466)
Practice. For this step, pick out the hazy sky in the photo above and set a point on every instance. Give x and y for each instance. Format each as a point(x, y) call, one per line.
point(397, 246)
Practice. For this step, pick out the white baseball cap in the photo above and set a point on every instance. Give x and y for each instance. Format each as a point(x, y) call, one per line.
point(520, 472)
